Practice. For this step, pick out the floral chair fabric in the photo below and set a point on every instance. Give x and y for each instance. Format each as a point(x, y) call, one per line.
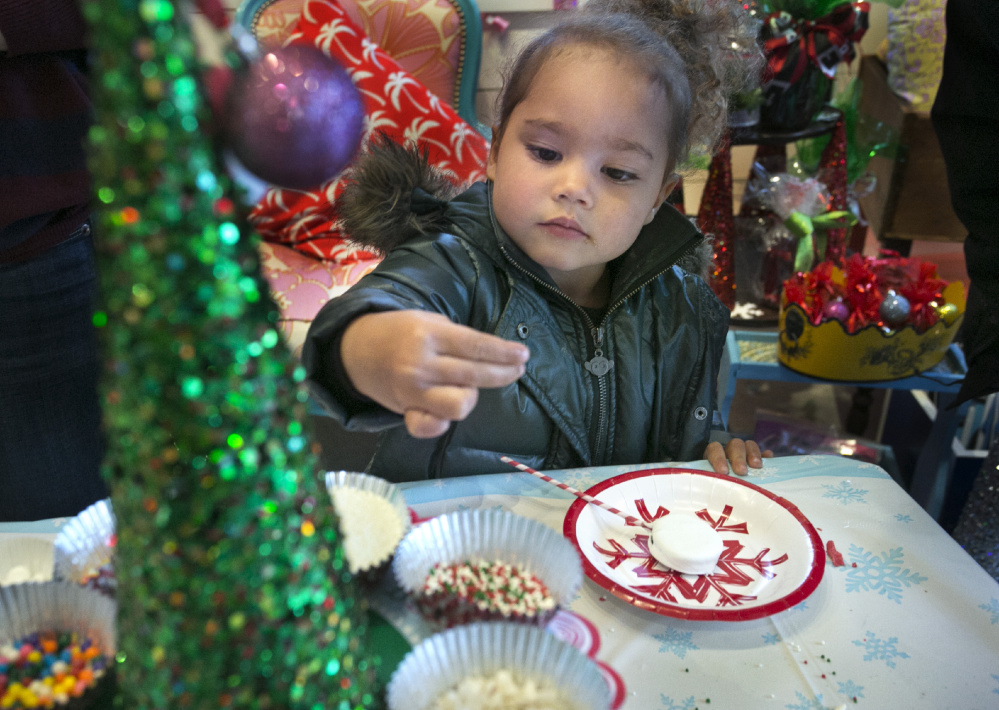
point(305, 257)
point(428, 38)
point(300, 286)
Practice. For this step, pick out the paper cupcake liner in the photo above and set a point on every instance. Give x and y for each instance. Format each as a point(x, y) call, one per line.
point(85, 544)
point(485, 536)
point(25, 559)
point(372, 573)
point(63, 607)
point(442, 661)
point(57, 606)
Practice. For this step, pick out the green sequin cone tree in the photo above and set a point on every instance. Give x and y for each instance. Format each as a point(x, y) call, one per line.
point(233, 590)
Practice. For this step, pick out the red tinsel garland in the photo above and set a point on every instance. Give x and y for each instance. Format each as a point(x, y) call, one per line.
point(833, 167)
point(862, 286)
point(714, 218)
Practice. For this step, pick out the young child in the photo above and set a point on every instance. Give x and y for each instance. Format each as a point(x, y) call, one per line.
point(554, 314)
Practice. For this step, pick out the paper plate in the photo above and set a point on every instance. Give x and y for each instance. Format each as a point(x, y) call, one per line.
point(773, 557)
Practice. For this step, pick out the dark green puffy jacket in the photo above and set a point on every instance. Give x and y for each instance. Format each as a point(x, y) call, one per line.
point(664, 331)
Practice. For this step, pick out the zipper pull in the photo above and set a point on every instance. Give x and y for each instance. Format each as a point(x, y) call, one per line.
point(598, 365)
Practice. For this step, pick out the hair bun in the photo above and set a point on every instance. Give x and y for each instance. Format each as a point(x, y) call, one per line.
point(717, 39)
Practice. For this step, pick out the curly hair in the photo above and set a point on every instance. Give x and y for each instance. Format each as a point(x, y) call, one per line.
point(699, 52)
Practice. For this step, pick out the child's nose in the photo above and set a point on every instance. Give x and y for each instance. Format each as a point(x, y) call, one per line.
point(574, 183)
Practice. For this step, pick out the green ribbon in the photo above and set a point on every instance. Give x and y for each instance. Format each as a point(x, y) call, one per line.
point(805, 228)
point(837, 219)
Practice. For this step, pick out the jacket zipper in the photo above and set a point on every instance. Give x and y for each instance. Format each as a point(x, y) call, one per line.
point(437, 460)
point(597, 335)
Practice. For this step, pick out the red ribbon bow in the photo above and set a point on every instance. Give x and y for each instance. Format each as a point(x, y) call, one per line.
point(791, 43)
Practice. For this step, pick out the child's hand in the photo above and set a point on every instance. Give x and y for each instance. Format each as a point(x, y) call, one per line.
point(425, 367)
point(743, 455)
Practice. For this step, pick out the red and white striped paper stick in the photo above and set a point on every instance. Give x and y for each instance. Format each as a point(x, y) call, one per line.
point(630, 519)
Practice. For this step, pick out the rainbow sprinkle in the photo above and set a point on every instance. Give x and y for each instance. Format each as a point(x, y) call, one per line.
point(46, 670)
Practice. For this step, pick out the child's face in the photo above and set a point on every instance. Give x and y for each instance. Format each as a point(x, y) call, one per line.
point(580, 166)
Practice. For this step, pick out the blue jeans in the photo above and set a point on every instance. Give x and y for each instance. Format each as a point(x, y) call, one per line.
point(50, 422)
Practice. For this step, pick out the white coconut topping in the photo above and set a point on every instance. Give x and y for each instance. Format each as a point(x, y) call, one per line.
point(502, 691)
point(19, 574)
point(370, 526)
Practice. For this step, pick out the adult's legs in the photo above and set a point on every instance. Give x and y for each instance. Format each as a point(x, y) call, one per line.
point(50, 425)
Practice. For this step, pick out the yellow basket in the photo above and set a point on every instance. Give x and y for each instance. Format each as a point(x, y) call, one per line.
point(871, 354)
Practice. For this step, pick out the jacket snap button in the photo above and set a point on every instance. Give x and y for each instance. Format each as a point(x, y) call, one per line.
point(523, 331)
point(701, 413)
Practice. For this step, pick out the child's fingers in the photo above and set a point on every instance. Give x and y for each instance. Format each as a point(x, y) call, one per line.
point(715, 455)
point(754, 456)
point(470, 344)
point(424, 426)
point(446, 402)
point(438, 407)
point(475, 373)
point(736, 452)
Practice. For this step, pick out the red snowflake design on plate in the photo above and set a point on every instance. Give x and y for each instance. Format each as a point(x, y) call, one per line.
point(736, 569)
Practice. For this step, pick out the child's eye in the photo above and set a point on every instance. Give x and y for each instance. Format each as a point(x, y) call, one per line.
point(545, 155)
point(618, 175)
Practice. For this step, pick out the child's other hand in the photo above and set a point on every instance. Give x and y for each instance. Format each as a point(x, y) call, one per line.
point(425, 367)
point(742, 455)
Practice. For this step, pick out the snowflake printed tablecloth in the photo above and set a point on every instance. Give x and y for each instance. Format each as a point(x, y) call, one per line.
point(903, 617)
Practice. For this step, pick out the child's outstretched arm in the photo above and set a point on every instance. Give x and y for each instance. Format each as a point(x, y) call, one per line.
point(742, 455)
point(425, 367)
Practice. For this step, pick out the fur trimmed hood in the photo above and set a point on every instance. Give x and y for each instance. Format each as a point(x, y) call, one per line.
point(395, 194)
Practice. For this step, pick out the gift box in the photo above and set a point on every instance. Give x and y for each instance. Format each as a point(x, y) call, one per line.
point(877, 319)
point(804, 41)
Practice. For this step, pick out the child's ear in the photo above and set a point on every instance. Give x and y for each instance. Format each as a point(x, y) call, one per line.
point(493, 153)
point(668, 185)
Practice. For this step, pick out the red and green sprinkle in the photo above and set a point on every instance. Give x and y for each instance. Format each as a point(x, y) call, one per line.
point(495, 588)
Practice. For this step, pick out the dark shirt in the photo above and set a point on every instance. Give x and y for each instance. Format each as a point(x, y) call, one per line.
point(45, 187)
point(966, 119)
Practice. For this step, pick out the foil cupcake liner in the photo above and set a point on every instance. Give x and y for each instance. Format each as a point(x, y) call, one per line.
point(486, 536)
point(25, 559)
point(442, 661)
point(372, 573)
point(57, 606)
point(64, 607)
point(85, 544)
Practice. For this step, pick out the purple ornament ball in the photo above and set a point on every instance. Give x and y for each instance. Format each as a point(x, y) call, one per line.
point(836, 310)
point(294, 117)
point(894, 308)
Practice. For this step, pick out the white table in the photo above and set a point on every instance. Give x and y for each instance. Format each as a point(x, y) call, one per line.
point(915, 624)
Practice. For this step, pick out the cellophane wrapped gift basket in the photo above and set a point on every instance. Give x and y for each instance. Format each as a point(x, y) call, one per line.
point(877, 318)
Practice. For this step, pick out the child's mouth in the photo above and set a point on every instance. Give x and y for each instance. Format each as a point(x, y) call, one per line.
point(564, 227)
